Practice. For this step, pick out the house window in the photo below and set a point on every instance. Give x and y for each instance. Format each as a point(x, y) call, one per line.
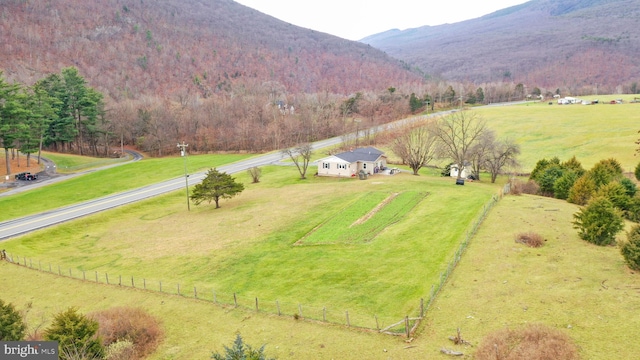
point(325, 165)
point(342, 166)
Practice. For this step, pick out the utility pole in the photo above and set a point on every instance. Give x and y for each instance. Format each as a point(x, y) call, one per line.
point(183, 153)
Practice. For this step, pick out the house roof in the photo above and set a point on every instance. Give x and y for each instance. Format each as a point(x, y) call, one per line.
point(361, 154)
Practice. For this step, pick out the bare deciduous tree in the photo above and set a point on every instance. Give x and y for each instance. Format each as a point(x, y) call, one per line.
point(457, 133)
point(300, 155)
point(416, 146)
point(502, 154)
point(480, 150)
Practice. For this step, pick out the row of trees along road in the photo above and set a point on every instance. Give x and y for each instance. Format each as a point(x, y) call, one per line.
point(60, 111)
point(462, 137)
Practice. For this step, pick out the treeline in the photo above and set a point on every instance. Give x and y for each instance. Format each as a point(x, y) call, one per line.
point(59, 112)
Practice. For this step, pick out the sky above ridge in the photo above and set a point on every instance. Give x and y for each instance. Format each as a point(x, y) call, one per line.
point(356, 19)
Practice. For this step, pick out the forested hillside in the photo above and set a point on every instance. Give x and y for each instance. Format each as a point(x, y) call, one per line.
point(214, 73)
point(130, 48)
point(576, 46)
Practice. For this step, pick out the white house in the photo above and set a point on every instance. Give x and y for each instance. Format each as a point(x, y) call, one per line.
point(349, 163)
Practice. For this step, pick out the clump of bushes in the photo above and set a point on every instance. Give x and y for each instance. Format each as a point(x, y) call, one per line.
point(127, 330)
point(533, 342)
point(518, 187)
point(531, 239)
point(631, 248)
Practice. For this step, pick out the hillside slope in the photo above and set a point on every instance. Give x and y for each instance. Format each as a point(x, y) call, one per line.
point(569, 43)
point(128, 48)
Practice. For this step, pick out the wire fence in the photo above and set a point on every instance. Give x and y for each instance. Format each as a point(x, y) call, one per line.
point(384, 324)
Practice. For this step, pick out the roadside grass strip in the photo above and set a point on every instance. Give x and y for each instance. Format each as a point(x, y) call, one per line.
point(363, 219)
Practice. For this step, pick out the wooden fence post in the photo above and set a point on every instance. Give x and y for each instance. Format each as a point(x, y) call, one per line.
point(107, 277)
point(160, 282)
point(348, 323)
point(300, 309)
point(70, 273)
point(132, 283)
point(406, 326)
point(96, 276)
point(144, 283)
point(324, 314)
point(59, 271)
point(84, 276)
point(120, 280)
point(195, 292)
point(421, 307)
point(377, 323)
point(278, 306)
point(50, 267)
point(257, 309)
point(235, 299)
point(178, 288)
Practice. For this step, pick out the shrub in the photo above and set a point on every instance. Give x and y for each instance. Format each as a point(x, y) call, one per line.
point(631, 248)
point(541, 166)
point(616, 193)
point(605, 171)
point(637, 172)
point(240, 350)
point(518, 187)
point(548, 178)
point(12, 326)
point(629, 186)
point(120, 350)
point(573, 165)
point(533, 342)
point(598, 222)
point(129, 324)
point(531, 239)
point(563, 185)
point(582, 190)
point(76, 335)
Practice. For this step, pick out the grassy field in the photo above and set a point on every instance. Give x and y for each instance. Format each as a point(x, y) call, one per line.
point(591, 133)
point(584, 290)
point(247, 246)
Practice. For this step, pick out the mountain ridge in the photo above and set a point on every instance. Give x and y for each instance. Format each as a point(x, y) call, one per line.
point(539, 42)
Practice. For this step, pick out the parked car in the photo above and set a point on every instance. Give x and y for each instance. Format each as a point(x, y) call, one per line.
point(26, 176)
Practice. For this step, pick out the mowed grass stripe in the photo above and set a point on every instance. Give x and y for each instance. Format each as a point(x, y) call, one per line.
point(350, 225)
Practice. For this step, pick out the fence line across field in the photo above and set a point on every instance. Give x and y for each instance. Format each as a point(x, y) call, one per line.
point(403, 327)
